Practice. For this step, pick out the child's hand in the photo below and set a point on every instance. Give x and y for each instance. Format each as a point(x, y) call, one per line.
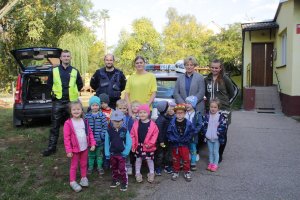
point(147, 146)
point(162, 145)
point(69, 155)
point(93, 148)
point(133, 150)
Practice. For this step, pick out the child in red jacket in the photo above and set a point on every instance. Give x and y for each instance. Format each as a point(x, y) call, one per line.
point(144, 134)
point(78, 136)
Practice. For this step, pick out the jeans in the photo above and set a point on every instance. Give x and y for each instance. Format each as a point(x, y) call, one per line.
point(213, 147)
point(96, 155)
point(193, 152)
point(80, 157)
point(118, 169)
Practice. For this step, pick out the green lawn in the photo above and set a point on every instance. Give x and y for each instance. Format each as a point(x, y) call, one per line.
point(25, 174)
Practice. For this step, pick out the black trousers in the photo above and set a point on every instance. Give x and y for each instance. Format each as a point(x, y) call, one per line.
point(163, 156)
point(60, 112)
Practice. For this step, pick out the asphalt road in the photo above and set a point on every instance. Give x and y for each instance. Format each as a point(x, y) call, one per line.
point(261, 161)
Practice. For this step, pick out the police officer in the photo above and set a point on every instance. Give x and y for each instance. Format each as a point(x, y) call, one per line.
point(66, 83)
point(109, 80)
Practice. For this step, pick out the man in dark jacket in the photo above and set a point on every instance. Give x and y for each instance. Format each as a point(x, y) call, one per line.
point(109, 80)
point(65, 82)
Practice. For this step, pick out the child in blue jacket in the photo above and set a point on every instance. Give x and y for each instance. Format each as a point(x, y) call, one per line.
point(214, 127)
point(117, 147)
point(98, 124)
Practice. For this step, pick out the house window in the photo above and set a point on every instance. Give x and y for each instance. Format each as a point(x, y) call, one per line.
point(283, 48)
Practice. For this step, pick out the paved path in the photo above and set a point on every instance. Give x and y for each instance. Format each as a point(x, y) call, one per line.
point(261, 161)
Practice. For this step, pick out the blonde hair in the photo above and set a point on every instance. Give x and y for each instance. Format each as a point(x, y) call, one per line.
point(135, 103)
point(74, 103)
point(216, 101)
point(121, 102)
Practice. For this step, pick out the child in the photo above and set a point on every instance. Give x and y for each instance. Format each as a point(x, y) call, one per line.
point(77, 137)
point(104, 106)
point(117, 148)
point(214, 127)
point(127, 123)
point(196, 119)
point(163, 151)
point(179, 134)
point(134, 109)
point(144, 134)
point(170, 112)
point(98, 124)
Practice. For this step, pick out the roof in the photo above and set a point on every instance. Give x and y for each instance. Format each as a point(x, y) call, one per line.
point(259, 26)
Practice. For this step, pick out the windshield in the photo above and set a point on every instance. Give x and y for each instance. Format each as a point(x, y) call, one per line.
point(165, 88)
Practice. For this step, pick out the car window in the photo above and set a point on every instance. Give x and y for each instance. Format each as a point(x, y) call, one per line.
point(40, 62)
point(165, 88)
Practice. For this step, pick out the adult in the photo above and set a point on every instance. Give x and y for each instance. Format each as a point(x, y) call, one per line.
point(65, 82)
point(190, 84)
point(140, 86)
point(109, 80)
point(218, 85)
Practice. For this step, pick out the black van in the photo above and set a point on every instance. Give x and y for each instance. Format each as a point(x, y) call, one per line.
point(32, 94)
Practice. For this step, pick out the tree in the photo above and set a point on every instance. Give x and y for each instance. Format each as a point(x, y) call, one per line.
point(183, 37)
point(144, 41)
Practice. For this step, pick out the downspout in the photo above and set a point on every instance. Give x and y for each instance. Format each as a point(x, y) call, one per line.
point(242, 86)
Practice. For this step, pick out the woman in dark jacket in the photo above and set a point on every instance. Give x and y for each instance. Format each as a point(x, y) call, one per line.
point(218, 85)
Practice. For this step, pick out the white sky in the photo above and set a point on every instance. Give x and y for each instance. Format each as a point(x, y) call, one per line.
point(222, 12)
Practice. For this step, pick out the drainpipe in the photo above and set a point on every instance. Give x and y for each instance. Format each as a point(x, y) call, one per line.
point(242, 86)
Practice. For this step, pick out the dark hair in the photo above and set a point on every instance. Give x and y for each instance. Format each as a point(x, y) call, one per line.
point(139, 57)
point(216, 101)
point(109, 54)
point(65, 51)
point(222, 72)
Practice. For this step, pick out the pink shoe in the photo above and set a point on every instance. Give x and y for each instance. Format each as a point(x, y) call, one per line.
point(214, 168)
point(209, 166)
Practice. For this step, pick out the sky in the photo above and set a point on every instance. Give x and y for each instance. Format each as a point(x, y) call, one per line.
point(212, 13)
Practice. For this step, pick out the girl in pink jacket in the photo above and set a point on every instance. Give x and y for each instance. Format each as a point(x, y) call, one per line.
point(144, 134)
point(78, 137)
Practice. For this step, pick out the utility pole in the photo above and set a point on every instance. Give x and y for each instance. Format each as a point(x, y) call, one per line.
point(7, 8)
point(104, 16)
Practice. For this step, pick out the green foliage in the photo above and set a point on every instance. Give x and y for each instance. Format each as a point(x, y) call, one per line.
point(96, 55)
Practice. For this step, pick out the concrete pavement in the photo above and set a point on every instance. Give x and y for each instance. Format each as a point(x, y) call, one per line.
point(261, 161)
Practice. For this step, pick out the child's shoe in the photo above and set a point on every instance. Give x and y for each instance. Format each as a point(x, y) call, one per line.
point(209, 166)
point(175, 175)
point(193, 167)
point(188, 176)
point(168, 170)
point(89, 171)
point(139, 178)
point(100, 171)
point(114, 184)
point(150, 177)
point(75, 186)
point(197, 157)
point(214, 168)
point(84, 182)
point(129, 171)
point(123, 187)
point(158, 171)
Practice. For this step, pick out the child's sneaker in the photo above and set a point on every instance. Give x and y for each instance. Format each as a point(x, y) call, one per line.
point(168, 170)
point(188, 176)
point(197, 157)
point(214, 168)
point(84, 182)
point(175, 175)
point(129, 171)
point(123, 187)
point(75, 186)
point(114, 184)
point(209, 166)
point(150, 177)
point(158, 171)
point(193, 167)
point(139, 178)
point(100, 171)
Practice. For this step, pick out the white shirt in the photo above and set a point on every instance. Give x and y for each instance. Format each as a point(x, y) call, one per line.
point(212, 129)
point(80, 133)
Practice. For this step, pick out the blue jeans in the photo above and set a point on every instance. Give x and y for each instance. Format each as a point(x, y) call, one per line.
point(213, 147)
point(193, 152)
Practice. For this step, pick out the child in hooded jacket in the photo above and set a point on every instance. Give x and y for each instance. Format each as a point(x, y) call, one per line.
point(144, 134)
point(163, 155)
point(196, 119)
point(78, 137)
point(214, 127)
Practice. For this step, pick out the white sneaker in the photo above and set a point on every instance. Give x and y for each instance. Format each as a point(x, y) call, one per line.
point(84, 182)
point(75, 186)
point(129, 171)
point(197, 157)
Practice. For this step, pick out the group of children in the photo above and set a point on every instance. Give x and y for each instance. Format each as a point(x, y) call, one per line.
point(169, 143)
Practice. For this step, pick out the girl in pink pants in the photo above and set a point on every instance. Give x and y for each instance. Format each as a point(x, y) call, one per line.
point(78, 136)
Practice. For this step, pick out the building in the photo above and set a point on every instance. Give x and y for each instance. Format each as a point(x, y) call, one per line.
point(271, 59)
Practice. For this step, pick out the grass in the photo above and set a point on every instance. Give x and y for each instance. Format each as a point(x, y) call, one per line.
point(28, 175)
